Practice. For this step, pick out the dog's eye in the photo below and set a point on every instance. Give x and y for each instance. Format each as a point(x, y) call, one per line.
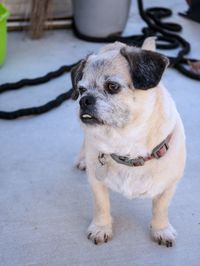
point(82, 90)
point(112, 87)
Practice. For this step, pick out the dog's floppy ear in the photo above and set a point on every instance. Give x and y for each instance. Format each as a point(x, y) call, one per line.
point(76, 75)
point(146, 67)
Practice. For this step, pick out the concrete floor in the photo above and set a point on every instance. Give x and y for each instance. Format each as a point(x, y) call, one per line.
point(45, 204)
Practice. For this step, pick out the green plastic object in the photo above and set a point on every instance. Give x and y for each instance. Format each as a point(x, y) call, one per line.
point(4, 13)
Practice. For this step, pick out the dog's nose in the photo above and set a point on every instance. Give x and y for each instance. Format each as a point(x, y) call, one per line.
point(87, 101)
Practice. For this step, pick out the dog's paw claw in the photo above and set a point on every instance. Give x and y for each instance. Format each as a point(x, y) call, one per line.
point(160, 241)
point(169, 244)
point(164, 236)
point(105, 238)
point(99, 234)
point(89, 235)
point(81, 165)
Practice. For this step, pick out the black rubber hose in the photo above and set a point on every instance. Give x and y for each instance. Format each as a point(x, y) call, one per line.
point(36, 110)
point(35, 81)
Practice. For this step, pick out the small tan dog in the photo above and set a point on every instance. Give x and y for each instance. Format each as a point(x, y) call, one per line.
point(134, 138)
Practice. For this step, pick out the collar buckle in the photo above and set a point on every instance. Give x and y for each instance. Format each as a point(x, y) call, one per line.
point(160, 150)
point(138, 161)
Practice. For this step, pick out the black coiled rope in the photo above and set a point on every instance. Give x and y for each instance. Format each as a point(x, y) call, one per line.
point(166, 39)
point(32, 82)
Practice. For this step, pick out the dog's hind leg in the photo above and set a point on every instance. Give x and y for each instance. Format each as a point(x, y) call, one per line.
point(161, 230)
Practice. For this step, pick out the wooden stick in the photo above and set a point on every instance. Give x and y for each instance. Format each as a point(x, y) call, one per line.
point(39, 12)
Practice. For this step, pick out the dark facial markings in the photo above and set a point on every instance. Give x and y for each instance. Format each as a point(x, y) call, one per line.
point(109, 87)
point(82, 90)
point(112, 87)
point(76, 76)
point(146, 67)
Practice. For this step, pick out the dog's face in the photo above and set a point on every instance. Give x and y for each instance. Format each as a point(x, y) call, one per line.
point(107, 82)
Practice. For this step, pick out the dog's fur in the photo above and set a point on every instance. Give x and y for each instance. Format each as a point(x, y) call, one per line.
point(129, 123)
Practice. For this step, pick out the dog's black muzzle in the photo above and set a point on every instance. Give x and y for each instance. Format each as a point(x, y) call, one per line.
point(88, 110)
point(87, 102)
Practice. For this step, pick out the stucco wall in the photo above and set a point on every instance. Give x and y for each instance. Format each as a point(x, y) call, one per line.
point(21, 8)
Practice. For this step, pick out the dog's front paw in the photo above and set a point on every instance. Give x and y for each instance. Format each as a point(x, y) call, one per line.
point(81, 164)
point(99, 234)
point(165, 236)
